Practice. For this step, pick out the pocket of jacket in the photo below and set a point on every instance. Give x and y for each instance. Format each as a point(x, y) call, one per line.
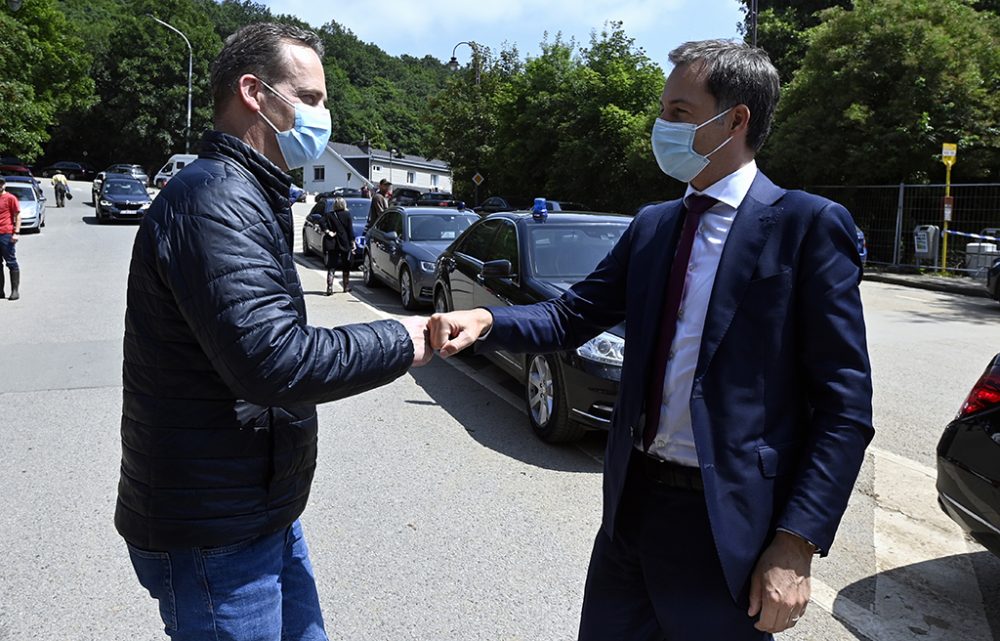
point(777, 460)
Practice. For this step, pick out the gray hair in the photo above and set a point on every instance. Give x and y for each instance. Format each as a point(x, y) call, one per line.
point(257, 49)
point(339, 204)
point(737, 74)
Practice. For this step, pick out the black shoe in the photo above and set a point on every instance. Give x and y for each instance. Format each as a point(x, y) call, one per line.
point(15, 282)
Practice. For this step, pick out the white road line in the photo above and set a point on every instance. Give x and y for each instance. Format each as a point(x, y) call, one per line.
point(919, 300)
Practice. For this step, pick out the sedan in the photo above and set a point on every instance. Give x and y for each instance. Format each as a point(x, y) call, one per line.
point(312, 235)
point(122, 198)
point(32, 205)
point(968, 462)
point(514, 258)
point(993, 280)
point(403, 246)
point(72, 171)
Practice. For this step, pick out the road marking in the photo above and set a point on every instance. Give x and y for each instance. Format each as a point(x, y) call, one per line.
point(923, 587)
point(919, 300)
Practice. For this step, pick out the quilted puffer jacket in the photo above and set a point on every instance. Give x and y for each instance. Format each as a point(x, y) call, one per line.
point(221, 372)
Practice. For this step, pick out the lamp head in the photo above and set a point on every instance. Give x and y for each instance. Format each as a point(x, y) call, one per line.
point(452, 64)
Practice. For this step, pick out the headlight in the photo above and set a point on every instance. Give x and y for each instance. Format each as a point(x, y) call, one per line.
point(105, 203)
point(606, 348)
point(426, 266)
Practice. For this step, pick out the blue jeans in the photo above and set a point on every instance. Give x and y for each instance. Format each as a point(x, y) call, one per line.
point(7, 252)
point(261, 589)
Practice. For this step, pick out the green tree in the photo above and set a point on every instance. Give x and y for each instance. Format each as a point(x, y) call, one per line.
point(882, 86)
point(781, 29)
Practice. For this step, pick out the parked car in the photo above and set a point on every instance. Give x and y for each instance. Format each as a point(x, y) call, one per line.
point(25, 180)
point(405, 196)
point(404, 244)
point(135, 171)
point(312, 235)
point(439, 199)
point(494, 204)
point(514, 258)
point(122, 197)
point(170, 169)
point(968, 462)
point(72, 170)
point(993, 280)
point(32, 203)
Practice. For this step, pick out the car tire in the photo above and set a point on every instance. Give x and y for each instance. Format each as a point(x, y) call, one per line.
point(545, 398)
point(368, 277)
point(406, 295)
point(441, 305)
point(305, 246)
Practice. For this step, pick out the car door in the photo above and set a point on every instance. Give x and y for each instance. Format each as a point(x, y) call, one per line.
point(381, 247)
point(468, 258)
point(499, 291)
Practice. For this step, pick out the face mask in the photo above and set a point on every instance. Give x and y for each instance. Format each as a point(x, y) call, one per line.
point(307, 138)
point(673, 147)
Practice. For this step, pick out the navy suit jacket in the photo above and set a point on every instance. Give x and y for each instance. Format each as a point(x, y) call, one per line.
point(781, 399)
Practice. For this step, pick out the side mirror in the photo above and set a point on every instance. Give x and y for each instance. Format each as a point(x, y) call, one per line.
point(391, 236)
point(497, 269)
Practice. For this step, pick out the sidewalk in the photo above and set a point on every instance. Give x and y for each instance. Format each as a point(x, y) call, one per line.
point(934, 282)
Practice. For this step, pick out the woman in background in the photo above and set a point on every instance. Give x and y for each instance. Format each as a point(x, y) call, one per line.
point(338, 242)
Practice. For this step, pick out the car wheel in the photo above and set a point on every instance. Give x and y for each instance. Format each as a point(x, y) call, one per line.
point(367, 275)
point(305, 246)
point(406, 290)
point(545, 396)
point(441, 301)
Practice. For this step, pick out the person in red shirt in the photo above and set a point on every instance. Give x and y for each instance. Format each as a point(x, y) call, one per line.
point(10, 230)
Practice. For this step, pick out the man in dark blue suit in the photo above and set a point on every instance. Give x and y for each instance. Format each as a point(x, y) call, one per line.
point(745, 401)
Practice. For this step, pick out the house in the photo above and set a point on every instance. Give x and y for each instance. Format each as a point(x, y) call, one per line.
point(343, 165)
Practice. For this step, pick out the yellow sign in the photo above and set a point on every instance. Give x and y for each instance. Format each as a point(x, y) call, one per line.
point(949, 153)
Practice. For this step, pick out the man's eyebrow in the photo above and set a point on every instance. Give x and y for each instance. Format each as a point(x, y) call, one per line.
point(677, 101)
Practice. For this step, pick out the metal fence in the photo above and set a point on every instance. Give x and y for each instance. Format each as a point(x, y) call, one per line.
point(888, 215)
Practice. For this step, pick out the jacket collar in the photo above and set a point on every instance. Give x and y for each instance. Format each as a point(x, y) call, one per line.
point(275, 183)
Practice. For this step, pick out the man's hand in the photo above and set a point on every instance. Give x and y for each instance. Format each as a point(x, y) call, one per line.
point(779, 585)
point(452, 332)
point(417, 328)
point(15, 237)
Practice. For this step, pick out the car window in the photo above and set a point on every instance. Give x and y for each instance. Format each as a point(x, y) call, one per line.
point(568, 252)
point(23, 193)
point(123, 188)
point(504, 245)
point(180, 164)
point(391, 221)
point(493, 202)
point(358, 210)
point(477, 244)
point(443, 226)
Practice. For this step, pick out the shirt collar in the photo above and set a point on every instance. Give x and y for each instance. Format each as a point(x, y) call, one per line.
point(732, 189)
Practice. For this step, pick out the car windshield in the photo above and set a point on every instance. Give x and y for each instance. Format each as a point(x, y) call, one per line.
point(124, 188)
point(443, 226)
point(359, 210)
point(570, 251)
point(23, 193)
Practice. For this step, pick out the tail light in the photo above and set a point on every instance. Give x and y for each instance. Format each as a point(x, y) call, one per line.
point(985, 394)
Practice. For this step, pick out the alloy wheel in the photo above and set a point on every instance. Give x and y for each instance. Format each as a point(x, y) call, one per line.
point(540, 390)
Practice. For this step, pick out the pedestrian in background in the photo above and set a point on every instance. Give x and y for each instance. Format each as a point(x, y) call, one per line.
point(221, 371)
point(10, 233)
point(61, 187)
point(744, 407)
point(338, 242)
point(379, 201)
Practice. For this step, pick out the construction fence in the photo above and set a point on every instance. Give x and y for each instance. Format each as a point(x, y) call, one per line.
point(889, 214)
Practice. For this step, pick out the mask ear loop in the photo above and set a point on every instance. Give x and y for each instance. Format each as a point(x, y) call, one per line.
point(278, 94)
point(724, 142)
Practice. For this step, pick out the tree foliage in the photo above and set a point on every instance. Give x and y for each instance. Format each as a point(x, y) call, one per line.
point(882, 86)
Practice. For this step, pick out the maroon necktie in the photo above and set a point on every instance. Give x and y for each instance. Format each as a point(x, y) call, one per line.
point(695, 206)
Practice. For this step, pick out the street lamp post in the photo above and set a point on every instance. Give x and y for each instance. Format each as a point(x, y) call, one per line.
point(453, 65)
point(392, 153)
point(187, 128)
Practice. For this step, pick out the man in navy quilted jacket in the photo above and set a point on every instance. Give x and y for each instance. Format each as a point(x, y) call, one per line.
point(221, 371)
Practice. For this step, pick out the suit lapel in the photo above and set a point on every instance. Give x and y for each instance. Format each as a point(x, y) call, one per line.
point(753, 223)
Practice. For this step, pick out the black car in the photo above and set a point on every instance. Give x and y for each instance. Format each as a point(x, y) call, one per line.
point(405, 196)
point(312, 235)
point(993, 280)
point(121, 198)
point(72, 170)
point(403, 246)
point(514, 258)
point(968, 462)
point(439, 199)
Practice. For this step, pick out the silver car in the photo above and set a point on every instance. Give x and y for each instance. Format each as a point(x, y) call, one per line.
point(32, 205)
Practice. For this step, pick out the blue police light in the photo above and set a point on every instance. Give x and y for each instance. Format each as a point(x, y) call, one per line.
point(538, 210)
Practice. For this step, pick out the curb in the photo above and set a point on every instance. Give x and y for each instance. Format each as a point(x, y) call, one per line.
point(978, 291)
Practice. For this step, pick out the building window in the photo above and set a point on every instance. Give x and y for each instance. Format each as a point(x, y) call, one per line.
point(319, 173)
point(376, 168)
point(411, 177)
point(434, 180)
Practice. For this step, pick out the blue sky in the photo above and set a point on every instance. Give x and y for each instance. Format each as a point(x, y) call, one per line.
point(435, 26)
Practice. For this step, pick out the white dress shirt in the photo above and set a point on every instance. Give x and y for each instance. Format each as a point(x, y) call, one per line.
point(674, 437)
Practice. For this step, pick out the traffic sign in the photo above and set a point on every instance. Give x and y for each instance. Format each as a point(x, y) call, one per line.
point(949, 153)
point(478, 179)
point(949, 205)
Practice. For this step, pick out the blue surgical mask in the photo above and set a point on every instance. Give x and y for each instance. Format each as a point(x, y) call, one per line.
point(673, 147)
point(307, 138)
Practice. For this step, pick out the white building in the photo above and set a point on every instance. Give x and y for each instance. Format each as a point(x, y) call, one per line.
point(343, 165)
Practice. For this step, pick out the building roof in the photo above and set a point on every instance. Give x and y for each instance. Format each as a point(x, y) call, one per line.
point(354, 151)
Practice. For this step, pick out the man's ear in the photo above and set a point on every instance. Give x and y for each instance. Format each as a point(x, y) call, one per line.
point(741, 120)
point(248, 90)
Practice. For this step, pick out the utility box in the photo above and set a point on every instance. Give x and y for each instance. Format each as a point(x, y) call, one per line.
point(926, 239)
point(980, 255)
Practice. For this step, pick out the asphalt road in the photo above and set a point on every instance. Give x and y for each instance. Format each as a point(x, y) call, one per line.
point(435, 514)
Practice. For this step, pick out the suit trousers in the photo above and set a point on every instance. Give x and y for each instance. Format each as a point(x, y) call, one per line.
point(659, 578)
